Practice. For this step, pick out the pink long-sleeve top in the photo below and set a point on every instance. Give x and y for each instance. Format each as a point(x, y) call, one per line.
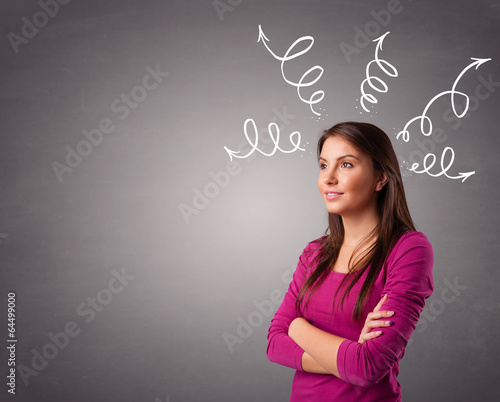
point(367, 371)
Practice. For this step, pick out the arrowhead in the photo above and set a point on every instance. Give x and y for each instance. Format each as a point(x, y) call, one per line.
point(231, 153)
point(465, 176)
point(262, 36)
point(478, 62)
point(380, 39)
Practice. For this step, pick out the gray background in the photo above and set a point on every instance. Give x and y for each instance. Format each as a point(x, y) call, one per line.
point(193, 281)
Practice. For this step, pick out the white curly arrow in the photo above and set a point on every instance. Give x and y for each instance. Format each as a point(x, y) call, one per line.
point(317, 96)
point(423, 117)
point(430, 159)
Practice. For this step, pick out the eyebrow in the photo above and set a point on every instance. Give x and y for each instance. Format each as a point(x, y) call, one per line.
point(342, 157)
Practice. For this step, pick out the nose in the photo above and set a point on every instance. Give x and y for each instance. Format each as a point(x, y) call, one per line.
point(329, 176)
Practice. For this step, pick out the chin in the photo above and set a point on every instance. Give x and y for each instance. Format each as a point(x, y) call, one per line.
point(335, 211)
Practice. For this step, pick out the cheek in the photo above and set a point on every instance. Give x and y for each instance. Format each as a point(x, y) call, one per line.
point(348, 182)
point(358, 184)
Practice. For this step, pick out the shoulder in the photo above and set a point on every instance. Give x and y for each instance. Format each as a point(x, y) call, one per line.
point(412, 240)
point(315, 244)
point(409, 269)
point(312, 251)
point(412, 248)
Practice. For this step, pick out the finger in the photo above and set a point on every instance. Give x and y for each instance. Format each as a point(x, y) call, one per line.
point(375, 316)
point(371, 335)
point(380, 303)
point(379, 314)
point(369, 326)
point(378, 324)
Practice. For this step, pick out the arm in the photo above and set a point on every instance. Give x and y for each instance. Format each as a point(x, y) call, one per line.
point(409, 282)
point(281, 348)
point(322, 347)
point(310, 365)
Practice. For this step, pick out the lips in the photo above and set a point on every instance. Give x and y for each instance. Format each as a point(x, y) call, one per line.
point(332, 195)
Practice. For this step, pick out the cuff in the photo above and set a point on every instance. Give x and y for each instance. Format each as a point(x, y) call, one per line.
point(341, 358)
point(297, 358)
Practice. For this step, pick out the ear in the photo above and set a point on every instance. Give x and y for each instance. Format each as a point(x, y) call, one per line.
point(382, 181)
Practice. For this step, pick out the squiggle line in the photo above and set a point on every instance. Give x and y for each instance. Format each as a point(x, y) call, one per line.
point(444, 169)
point(370, 78)
point(317, 96)
point(271, 127)
point(423, 117)
point(424, 120)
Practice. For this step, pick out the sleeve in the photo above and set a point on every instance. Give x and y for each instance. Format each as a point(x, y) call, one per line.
point(408, 283)
point(281, 348)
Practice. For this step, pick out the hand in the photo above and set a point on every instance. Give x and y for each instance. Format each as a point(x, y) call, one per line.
point(373, 321)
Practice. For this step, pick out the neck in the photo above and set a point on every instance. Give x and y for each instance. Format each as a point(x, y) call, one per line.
point(356, 228)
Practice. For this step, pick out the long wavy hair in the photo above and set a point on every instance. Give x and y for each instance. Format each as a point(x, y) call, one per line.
point(393, 213)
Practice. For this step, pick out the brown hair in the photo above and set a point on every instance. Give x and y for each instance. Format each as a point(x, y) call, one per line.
point(392, 209)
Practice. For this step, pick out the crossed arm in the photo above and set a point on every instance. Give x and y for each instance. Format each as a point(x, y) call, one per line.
point(295, 343)
point(321, 347)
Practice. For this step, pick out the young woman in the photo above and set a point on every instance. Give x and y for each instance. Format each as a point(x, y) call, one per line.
point(357, 292)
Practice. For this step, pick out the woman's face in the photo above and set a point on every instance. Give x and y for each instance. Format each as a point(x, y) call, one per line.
point(347, 180)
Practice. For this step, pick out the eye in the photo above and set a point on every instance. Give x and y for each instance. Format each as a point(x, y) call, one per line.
point(346, 164)
point(322, 166)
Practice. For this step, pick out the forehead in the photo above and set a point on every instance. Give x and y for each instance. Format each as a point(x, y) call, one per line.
point(334, 147)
